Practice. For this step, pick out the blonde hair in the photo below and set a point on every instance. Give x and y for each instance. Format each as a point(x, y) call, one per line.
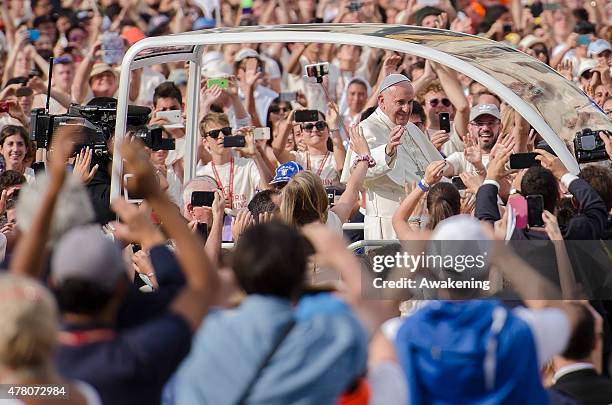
point(213, 118)
point(29, 320)
point(304, 200)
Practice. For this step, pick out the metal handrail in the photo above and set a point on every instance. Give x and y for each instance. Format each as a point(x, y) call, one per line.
point(353, 226)
point(371, 243)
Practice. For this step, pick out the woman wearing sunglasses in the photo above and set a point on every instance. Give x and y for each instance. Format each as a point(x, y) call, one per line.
point(238, 178)
point(318, 158)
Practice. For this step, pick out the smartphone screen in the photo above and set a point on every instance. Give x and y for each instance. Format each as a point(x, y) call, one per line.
point(444, 122)
point(218, 81)
point(261, 134)
point(131, 198)
point(202, 198)
point(523, 160)
point(535, 207)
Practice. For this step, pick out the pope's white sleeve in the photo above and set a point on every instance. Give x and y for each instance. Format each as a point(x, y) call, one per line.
point(384, 163)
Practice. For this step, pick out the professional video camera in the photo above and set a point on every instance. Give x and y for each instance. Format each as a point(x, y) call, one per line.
point(97, 122)
point(589, 147)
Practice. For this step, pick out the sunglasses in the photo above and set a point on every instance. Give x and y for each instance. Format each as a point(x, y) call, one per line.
point(319, 125)
point(434, 102)
point(277, 110)
point(214, 134)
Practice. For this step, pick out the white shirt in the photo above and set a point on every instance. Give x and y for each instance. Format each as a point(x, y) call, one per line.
point(323, 166)
point(246, 179)
point(461, 165)
point(454, 143)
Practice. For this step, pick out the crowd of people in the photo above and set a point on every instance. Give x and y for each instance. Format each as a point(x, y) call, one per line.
point(236, 286)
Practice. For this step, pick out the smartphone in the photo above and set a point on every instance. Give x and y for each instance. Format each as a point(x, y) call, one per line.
point(288, 97)
point(234, 141)
point(306, 116)
point(551, 6)
point(34, 35)
point(4, 106)
point(519, 205)
point(261, 134)
point(131, 198)
point(317, 70)
point(457, 182)
point(218, 81)
point(202, 230)
point(535, 207)
point(173, 116)
point(444, 122)
point(583, 39)
point(354, 6)
point(202, 198)
point(523, 160)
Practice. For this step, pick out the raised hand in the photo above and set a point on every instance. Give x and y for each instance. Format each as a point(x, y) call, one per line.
point(552, 163)
point(607, 139)
point(472, 151)
point(242, 222)
point(391, 65)
point(135, 225)
point(82, 164)
point(496, 168)
point(146, 182)
point(252, 76)
point(551, 226)
point(358, 142)
point(434, 172)
point(395, 138)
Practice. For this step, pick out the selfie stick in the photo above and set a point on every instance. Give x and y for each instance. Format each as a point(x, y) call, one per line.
point(339, 117)
point(50, 75)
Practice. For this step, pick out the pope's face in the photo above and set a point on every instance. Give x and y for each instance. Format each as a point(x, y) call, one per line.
point(396, 102)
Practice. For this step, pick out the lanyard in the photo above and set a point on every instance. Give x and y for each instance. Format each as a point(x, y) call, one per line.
point(321, 165)
point(79, 338)
point(231, 181)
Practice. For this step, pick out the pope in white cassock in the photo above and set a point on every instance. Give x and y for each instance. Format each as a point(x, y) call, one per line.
point(401, 151)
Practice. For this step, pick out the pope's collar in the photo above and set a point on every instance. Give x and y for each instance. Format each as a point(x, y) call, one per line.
point(384, 118)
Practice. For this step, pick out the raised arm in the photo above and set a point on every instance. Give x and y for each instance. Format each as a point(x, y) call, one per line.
point(279, 141)
point(80, 85)
point(30, 251)
point(345, 205)
point(193, 303)
point(453, 89)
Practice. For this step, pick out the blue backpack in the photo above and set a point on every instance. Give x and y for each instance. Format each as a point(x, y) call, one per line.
point(469, 352)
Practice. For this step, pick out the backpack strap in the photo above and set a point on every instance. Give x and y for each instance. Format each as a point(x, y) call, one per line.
point(499, 316)
point(265, 361)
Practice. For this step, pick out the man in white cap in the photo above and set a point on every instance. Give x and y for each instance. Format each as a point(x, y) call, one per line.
point(401, 152)
point(483, 130)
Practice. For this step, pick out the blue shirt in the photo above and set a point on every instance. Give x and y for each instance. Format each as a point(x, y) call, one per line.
point(321, 356)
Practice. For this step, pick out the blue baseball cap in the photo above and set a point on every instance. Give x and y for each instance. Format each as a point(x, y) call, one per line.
point(203, 23)
point(286, 171)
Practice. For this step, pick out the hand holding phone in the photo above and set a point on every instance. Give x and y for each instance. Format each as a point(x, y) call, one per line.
point(458, 182)
point(234, 141)
point(306, 116)
point(202, 198)
point(222, 82)
point(131, 198)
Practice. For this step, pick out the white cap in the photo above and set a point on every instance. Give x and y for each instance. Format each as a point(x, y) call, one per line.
point(245, 53)
point(392, 80)
point(529, 41)
point(484, 109)
point(598, 46)
point(585, 65)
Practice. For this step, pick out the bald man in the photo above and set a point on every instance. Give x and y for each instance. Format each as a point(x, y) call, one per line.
point(401, 151)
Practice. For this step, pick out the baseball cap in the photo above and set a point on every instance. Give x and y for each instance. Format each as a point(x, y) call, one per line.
point(484, 109)
point(245, 53)
point(598, 46)
point(85, 254)
point(286, 171)
point(586, 65)
point(529, 41)
point(203, 23)
point(100, 68)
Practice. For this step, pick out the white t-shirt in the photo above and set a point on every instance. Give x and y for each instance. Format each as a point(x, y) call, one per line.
point(333, 222)
point(246, 179)
point(461, 165)
point(322, 165)
point(454, 143)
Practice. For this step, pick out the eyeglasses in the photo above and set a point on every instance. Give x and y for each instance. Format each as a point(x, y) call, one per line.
point(319, 125)
point(434, 102)
point(214, 134)
point(484, 123)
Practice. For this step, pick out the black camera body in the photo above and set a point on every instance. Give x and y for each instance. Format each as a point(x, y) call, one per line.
point(152, 138)
point(589, 147)
point(96, 122)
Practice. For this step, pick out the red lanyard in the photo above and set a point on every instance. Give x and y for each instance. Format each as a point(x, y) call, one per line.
point(85, 337)
point(321, 166)
point(231, 181)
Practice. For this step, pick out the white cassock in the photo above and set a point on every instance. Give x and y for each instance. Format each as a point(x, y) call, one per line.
point(385, 182)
